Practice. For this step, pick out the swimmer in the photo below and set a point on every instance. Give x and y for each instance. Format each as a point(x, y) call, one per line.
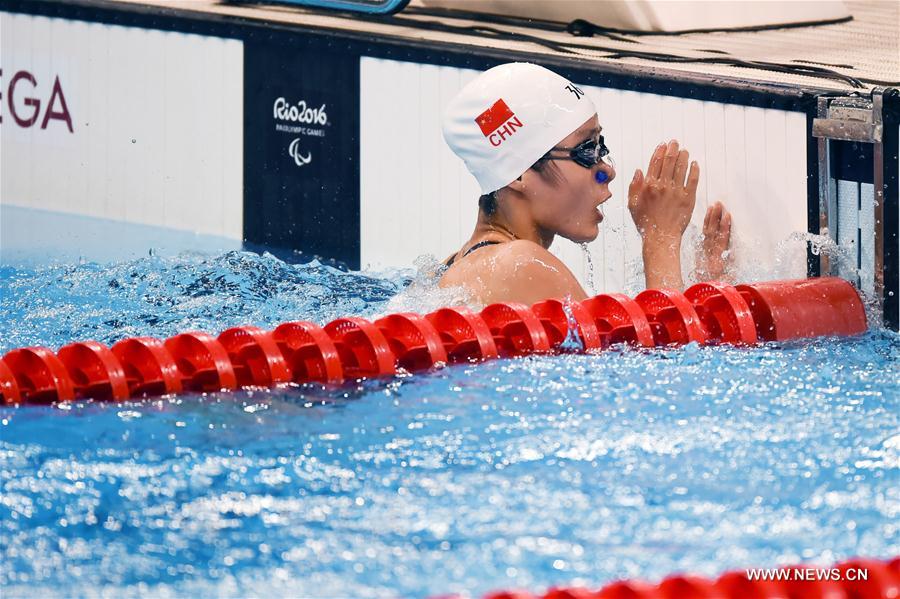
point(534, 142)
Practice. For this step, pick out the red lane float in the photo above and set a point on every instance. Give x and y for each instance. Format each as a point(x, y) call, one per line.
point(882, 582)
point(363, 350)
point(723, 312)
point(804, 308)
point(414, 341)
point(673, 319)
point(465, 335)
point(202, 362)
point(619, 319)
point(149, 367)
point(737, 584)
point(40, 375)
point(309, 353)
point(515, 329)
point(853, 579)
point(95, 371)
point(576, 593)
point(894, 566)
point(628, 590)
point(559, 317)
point(688, 587)
point(9, 388)
point(354, 348)
point(255, 356)
point(812, 589)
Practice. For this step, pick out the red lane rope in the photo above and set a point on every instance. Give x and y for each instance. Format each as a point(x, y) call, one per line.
point(853, 579)
point(352, 348)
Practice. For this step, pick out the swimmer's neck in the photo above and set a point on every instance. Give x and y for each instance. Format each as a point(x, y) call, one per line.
point(512, 226)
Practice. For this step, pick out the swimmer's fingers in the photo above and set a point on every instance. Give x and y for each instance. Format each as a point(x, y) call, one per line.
point(637, 182)
point(726, 228)
point(668, 166)
point(634, 190)
point(712, 221)
point(681, 167)
point(656, 162)
point(693, 178)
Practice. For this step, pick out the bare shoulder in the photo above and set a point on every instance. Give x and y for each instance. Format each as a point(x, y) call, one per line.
point(518, 270)
point(523, 252)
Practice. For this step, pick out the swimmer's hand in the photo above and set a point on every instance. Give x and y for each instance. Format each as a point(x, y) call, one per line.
point(714, 256)
point(661, 204)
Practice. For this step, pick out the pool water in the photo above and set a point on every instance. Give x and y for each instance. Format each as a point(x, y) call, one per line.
point(521, 473)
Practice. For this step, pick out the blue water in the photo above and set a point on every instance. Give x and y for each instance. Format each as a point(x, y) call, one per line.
point(515, 473)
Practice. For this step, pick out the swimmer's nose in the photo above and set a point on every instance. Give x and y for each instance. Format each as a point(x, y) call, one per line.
point(605, 175)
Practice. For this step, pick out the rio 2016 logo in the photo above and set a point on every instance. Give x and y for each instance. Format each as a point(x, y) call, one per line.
point(294, 151)
point(299, 113)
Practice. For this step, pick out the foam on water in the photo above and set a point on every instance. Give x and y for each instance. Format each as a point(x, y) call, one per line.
point(160, 296)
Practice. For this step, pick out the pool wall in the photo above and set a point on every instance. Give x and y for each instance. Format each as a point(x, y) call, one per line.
point(123, 123)
point(328, 142)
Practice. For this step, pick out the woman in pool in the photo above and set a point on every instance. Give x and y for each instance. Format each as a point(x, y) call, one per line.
point(534, 142)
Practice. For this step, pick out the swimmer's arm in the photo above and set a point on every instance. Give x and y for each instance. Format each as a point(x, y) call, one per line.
point(661, 204)
point(662, 262)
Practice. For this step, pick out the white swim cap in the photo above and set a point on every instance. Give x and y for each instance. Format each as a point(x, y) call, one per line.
point(508, 117)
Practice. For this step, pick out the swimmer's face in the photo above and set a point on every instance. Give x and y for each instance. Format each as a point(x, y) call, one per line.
point(569, 205)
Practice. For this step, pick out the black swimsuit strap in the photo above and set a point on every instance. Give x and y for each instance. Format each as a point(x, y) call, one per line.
point(480, 244)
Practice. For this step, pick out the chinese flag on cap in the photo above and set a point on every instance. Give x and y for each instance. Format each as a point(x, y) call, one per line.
point(493, 117)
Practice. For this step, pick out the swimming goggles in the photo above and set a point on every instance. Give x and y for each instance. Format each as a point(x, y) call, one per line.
point(588, 153)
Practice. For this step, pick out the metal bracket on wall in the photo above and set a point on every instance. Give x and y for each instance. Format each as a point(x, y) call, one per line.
point(858, 120)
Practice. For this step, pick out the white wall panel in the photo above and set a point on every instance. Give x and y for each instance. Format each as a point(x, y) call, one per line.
point(789, 194)
point(95, 161)
point(611, 268)
point(448, 177)
point(630, 156)
point(469, 187)
point(157, 124)
point(693, 138)
point(407, 230)
point(752, 159)
point(429, 151)
point(371, 103)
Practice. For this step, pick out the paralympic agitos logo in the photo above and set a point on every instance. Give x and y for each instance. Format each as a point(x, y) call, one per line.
point(30, 103)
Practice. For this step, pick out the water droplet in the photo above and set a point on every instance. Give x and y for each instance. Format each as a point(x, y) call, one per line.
point(592, 283)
